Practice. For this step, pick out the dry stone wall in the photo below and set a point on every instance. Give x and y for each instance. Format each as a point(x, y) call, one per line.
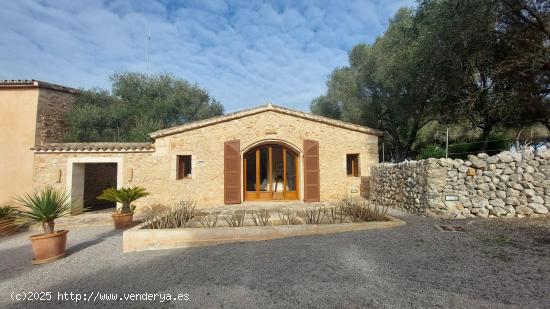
point(51, 123)
point(504, 185)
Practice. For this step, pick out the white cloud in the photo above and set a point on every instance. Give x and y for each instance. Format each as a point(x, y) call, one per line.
point(244, 53)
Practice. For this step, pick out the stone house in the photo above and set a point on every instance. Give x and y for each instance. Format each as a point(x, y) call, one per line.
point(32, 113)
point(265, 153)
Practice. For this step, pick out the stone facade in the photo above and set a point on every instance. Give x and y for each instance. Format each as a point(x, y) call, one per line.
point(155, 168)
point(51, 124)
point(504, 185)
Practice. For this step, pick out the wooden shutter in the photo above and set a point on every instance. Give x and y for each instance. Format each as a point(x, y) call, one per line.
point(232, 172)
point(312, 187)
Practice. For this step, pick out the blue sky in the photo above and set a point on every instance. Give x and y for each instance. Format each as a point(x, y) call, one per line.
point(245, 53)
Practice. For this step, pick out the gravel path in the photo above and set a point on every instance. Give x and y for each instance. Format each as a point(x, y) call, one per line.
point(495, 263)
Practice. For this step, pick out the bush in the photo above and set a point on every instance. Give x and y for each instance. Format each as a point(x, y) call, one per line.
point(178, 217)
point(432, 151)
point(7, 212)
point(360, 210)
point(335, 215)
point(261, 217)
point(315, 215)
point(236, 219)
point(288, 216)
point(210, 220)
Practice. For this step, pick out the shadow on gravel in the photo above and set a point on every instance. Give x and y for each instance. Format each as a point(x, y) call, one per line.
point(409, 266)
point(83, 245)
point(15, 261)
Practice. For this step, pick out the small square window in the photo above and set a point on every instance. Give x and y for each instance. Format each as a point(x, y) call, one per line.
point(352, 165)
point(184, 167)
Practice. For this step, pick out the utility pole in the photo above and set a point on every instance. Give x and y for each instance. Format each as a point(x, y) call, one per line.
point(383, 159)
point(447, 144)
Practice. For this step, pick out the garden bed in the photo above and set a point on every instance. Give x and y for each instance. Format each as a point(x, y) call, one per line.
point(216, 227)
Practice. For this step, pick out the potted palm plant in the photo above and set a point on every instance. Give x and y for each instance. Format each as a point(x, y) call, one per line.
point(44, 207)
point(123, 216)
point(7, 220)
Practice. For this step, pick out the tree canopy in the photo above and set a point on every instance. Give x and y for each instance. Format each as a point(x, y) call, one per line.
point(478, 64)
point(137, 105)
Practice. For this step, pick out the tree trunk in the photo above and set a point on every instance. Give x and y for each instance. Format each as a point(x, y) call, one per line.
point(485, 136)
point(48, 226)
point(400, 152)
point(125, 208)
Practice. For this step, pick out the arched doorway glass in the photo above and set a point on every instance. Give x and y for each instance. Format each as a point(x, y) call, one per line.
point(271, 173)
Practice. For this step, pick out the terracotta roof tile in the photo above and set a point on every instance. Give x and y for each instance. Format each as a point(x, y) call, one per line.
point(15, 83)
point(94, 147)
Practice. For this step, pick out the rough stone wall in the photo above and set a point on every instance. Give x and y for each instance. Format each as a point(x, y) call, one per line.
point(156, 171)
point(51, 124)
point(504, 185)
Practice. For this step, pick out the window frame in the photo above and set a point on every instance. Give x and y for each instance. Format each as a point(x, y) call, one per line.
point(180, 167)
point(355, 167)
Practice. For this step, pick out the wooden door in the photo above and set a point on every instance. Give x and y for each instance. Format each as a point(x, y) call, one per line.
point(260, 182)
point(312, 186)
point(232, 172)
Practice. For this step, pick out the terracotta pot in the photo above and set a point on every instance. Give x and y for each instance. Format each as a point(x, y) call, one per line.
point(7, 226)
point(48, 247)
point(122, 221)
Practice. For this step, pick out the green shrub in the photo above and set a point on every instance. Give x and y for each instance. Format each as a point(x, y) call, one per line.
point(7, 212)
point(432, 151)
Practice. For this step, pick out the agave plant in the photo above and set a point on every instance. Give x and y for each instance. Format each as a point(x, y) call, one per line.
point(125, 196)
point(7, 212)
point(46, 205)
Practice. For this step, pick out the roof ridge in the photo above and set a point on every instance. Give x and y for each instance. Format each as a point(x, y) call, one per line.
point(256, 110)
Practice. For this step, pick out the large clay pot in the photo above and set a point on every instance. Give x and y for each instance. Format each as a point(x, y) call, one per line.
point(122, 221)
point(48, 247)
point(7, 226)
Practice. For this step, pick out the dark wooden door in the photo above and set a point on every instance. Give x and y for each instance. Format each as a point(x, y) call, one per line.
point(232, 172)
point(312, 186)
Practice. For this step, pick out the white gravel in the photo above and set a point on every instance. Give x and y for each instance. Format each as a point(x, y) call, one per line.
point(493, 264)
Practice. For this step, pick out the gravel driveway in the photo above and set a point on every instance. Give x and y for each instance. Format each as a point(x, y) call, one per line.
point(495, 263)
